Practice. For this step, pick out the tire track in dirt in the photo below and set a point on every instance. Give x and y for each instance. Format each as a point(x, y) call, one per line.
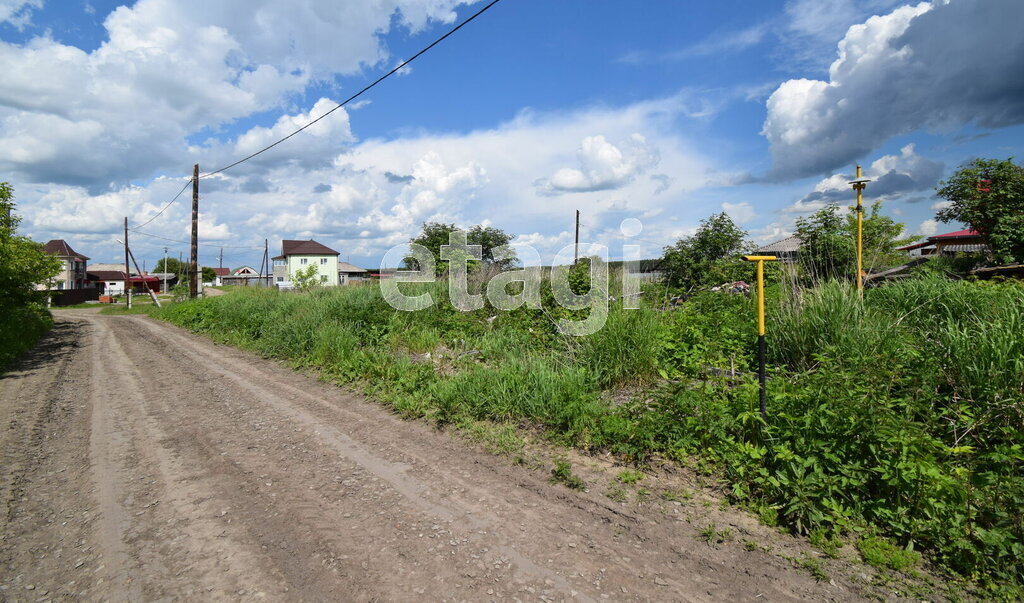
point(107, 444)
point(415, 492)
point(213, 562)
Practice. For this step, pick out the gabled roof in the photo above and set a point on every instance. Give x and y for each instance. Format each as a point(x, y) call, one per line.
point(242, 271)
point(917, 245)
point(788, 244)
point(221, 271)
point(959, 234)
point(60, 247)
point(310, 247)
point(346, 267)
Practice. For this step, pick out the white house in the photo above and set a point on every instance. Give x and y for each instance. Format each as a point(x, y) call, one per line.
point(298, 256)
point(109, 282)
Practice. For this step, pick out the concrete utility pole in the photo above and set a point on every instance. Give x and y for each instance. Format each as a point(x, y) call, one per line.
point(576, 253)
point(220, 262)
point(193, 280)
point(859, 183)
point(127, 272)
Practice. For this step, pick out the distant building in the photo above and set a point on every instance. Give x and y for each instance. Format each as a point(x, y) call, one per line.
point(73, 268)
point(347, 273)
point(245, 276)
point(787, 250)
point(298, 256)
point(950, 243)
point(220, 273)
point(112, 282)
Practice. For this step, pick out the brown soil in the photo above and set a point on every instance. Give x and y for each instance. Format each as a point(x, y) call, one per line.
point(141, 462)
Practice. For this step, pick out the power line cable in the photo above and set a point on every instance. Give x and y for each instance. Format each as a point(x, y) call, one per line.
point(165, 206)
point(146, 234)
point(399, 67)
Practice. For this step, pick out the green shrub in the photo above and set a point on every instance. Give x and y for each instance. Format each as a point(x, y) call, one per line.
point(20, 327)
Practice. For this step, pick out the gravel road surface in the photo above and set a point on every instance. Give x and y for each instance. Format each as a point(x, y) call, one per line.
point(142, 462)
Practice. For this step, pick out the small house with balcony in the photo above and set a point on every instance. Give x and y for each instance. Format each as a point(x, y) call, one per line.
point(73, 267)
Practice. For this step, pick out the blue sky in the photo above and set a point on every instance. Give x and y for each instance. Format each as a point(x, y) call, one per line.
point(662, 111)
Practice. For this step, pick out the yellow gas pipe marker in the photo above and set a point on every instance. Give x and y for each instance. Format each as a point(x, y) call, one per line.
point(761, 372)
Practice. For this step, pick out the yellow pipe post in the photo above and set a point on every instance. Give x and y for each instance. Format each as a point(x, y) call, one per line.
point(858, 185)
point(762, 375)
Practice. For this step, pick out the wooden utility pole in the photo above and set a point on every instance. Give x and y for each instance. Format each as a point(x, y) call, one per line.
point(164, 288)
point(127, 272)
point(576, 253)
point(193, 268)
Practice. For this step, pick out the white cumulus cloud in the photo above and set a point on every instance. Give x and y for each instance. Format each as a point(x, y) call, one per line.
point(930, 65)
point(603, 166)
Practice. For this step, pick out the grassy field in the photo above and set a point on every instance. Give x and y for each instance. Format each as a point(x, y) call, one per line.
point(895, 422)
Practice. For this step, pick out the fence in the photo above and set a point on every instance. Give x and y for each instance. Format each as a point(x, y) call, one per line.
point(70, 297)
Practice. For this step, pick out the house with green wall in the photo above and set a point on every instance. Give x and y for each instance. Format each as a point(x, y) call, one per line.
point(298, 256)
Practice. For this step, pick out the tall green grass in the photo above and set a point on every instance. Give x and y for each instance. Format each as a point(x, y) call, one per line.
point(900, 413)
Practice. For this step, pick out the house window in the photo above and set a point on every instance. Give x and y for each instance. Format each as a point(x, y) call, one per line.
point(323, 278)
point(323, 261)
point(280, 279)
point(304, 261)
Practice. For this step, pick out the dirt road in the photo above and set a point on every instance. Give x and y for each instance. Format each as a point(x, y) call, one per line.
point(141, 462)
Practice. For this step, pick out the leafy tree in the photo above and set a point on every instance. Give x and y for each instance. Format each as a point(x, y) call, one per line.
point(306, 280)
point(997, 213)
point(208, 274)
point(436, 234)
point(489, 238)
point(701, 259)
point(828, 242)
point(173, 266)
point(23, 263)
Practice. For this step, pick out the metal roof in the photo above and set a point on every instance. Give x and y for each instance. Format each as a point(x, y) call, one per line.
point(966, 248)
point(346, 267)
point(959, 234)
point(788, 244)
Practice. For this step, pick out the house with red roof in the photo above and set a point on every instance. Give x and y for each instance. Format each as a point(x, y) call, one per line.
point(220, 273)
point(960, 241)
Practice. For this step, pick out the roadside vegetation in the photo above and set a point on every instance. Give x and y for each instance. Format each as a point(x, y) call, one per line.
point(894, 421)
point(23, 315)
point(898, 417)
